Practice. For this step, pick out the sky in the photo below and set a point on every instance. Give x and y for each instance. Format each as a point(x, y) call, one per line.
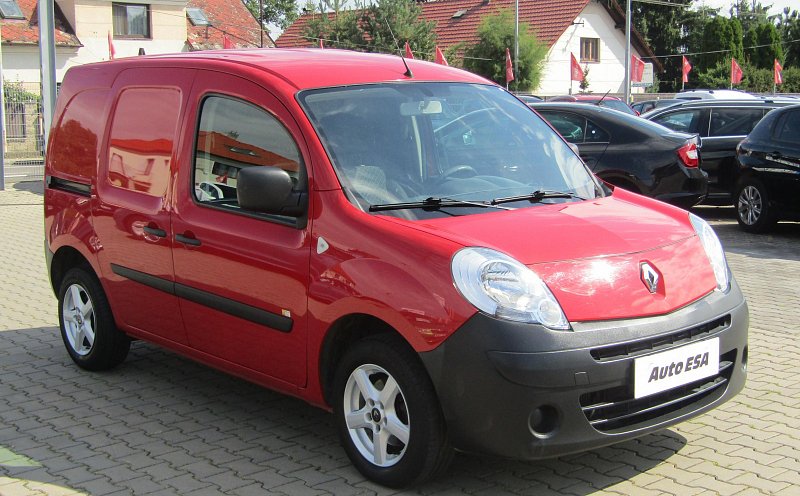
point(777, 5)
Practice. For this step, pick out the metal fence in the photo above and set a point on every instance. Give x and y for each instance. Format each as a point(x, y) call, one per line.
point(23, 148)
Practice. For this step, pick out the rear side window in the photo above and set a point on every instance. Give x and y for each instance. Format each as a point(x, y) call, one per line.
point(576, 128)
point(233, 135)
point(734, 121)
point(788, 128)
point(686, 121)
point(142, 135)
point(75, 140)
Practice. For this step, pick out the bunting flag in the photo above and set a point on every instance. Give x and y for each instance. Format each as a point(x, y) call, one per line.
point(687, 67)
point(226, 42)
point(637, 69)
point(409, 53)
point(575, 71)
point(736, 72)
point(778, 72)
point(509, 67)
point(111, 51)
point(440, 57)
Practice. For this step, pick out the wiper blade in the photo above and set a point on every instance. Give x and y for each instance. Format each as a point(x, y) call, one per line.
point(433, 204)
point(536, 197)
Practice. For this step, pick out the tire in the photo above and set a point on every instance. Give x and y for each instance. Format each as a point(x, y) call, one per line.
point(753, 210)
point(87, 324)
point(410, 427)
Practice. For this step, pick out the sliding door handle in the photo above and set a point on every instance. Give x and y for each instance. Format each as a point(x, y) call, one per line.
point(187, 239)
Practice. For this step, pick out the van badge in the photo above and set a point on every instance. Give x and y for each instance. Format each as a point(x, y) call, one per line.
point(649, 276)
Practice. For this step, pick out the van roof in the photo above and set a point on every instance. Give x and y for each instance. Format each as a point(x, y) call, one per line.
point(307, 67)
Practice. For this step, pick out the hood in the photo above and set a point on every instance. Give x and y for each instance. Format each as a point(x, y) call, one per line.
point(591, 254)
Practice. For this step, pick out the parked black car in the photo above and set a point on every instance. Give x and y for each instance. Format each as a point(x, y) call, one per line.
point(768, 189)
point(721, 125)
point(630, 152)
point(648, 105)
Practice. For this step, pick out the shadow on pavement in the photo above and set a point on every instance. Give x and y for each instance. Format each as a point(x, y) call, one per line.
point(159, 413)
point(36, 187)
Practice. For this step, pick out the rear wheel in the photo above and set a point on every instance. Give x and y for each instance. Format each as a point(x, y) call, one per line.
point(753, 210)
point(387, 414)
point(87, 325)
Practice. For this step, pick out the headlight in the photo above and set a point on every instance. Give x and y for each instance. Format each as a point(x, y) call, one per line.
point(714, 252)
point(503, 287)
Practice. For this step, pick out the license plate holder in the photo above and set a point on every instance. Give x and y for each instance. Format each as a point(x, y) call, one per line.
point(672, 368)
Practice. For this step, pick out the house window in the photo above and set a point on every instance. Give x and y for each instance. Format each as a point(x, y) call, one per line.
point(197, 17)
point(590, 49)
point(10, 10)
point(131, 20)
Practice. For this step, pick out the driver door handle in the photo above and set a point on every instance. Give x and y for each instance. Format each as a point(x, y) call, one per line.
point(187, 239)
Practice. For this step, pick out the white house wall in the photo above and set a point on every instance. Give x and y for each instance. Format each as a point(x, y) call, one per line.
point(21, 63)
point(92, 23)
point(606, 75)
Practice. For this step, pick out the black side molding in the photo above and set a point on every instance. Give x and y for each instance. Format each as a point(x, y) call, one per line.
point(79, 188)
point(211, 300)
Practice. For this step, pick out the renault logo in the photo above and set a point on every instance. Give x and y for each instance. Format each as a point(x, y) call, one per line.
point(649, 276)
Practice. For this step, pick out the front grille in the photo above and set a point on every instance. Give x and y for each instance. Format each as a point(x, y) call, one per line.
point(645, 346)
point(616, 408)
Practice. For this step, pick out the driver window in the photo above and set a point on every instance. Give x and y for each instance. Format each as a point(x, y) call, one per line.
point(233, 135)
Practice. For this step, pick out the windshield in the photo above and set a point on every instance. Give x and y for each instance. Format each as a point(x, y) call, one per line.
point(397, 146)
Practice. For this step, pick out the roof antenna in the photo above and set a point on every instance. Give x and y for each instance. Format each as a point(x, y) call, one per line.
point(408, 72)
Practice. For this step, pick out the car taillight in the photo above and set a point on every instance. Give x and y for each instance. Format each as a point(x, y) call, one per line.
point(688, 155)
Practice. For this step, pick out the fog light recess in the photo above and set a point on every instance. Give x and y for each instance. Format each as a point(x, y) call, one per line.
point(544, 421)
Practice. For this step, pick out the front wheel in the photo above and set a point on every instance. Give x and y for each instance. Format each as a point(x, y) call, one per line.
point(387, 414)
point(753, 210)
point(87, 325)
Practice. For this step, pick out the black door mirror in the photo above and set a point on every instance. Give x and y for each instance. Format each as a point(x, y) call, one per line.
point(270, 190)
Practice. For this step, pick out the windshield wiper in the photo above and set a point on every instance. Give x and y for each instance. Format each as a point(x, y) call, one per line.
point(433, 204)
point(535, 197)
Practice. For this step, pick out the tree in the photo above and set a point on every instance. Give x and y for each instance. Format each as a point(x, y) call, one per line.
point(722, 39)
point(768, 43)
point(662, 27)
point(279, 12)
point(488, 56)
point(753, 78)
point(789, 28)
point(383, 26)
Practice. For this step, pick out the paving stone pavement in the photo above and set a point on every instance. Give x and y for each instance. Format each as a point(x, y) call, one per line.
point(162, 425)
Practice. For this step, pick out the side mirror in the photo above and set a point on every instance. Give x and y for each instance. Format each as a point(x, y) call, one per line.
point(269, 190)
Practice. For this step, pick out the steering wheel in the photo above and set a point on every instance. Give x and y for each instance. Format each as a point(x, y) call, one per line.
point(459, 172)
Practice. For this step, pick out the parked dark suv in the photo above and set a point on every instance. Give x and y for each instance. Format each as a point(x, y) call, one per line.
point(768, 189)
point(721, 125)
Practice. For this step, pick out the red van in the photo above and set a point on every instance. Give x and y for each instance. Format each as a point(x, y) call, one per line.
point(403, 243)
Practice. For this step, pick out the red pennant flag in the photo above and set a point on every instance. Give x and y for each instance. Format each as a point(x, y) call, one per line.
point(509, 67)
point(321, 46)
point(111, 51)
point(637, 69)
point(226, 42)
point(736, 72)
point(409, 53)
point(440, 57)
point(687, 67)
point(575, 71)
point(778, 72)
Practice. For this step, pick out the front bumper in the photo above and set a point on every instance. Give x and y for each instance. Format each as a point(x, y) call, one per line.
point(527, 392)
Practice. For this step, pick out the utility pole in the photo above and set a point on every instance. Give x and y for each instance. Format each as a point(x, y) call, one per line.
point(2, 117)
point(628, 52)
point(47, 51)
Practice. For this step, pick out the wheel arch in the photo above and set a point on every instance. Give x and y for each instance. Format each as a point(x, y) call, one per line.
point(341, 335)
point(64, 259)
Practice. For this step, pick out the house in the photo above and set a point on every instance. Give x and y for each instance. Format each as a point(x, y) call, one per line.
point(86, 30)
point(592, 30)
